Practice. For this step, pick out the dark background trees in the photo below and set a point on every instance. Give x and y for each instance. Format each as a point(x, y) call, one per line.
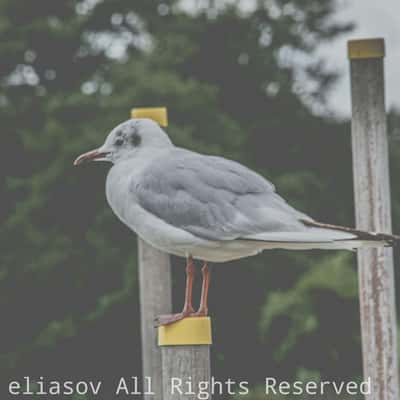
point(241, 83)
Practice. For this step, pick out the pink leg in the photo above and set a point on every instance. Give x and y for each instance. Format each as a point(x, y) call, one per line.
point(203, 309)
point(187, 307)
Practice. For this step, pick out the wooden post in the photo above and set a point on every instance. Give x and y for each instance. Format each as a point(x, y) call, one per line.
point(372, 206)
point(185, 347)
point(154, 289)
point(155, 299)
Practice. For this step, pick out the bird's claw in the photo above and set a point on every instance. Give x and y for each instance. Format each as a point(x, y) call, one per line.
point(168, 319)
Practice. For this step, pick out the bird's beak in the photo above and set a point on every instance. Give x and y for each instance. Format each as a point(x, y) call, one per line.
point(92, 155)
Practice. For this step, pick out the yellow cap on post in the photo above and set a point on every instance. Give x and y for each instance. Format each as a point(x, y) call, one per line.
point(366, 48)
point(158, 114)
point(188, 331)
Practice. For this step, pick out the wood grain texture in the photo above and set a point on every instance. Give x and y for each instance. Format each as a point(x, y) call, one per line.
point(155, 299)
point(373, 213)
point(186, 364)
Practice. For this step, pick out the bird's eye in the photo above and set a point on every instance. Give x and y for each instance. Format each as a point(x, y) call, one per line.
point(119, 142)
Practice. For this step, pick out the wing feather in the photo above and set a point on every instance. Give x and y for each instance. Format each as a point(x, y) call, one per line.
point(213, 198)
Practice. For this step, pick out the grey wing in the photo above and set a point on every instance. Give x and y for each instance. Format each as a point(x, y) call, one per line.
point(213, 198)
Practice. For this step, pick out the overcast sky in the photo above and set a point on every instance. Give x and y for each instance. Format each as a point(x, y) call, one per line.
point(373, 18)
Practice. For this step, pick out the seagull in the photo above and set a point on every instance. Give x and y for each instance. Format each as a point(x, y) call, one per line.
point(205, 207)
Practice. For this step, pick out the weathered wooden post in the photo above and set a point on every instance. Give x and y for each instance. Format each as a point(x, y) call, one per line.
point(154, 288)
point(372, 205)
point(185, 347)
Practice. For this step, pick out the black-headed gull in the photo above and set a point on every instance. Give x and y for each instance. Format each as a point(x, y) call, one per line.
point(205, 207)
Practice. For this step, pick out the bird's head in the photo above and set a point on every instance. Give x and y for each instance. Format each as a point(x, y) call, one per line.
point(126, 140)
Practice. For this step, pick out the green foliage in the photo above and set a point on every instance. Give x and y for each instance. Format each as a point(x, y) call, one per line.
point(298, 305)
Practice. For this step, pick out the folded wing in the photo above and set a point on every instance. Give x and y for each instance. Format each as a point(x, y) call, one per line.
point(218, 199)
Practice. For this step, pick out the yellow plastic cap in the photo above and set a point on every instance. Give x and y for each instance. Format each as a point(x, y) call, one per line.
point(158, 114)
point(366, 48)
point(188, 331)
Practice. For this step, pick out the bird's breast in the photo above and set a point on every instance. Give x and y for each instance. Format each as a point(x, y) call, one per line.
point(117, 192)
point(121, 198)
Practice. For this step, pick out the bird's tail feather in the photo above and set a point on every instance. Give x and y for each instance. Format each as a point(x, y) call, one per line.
point(348, 244)
point(363, 238)
point(323, 236)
